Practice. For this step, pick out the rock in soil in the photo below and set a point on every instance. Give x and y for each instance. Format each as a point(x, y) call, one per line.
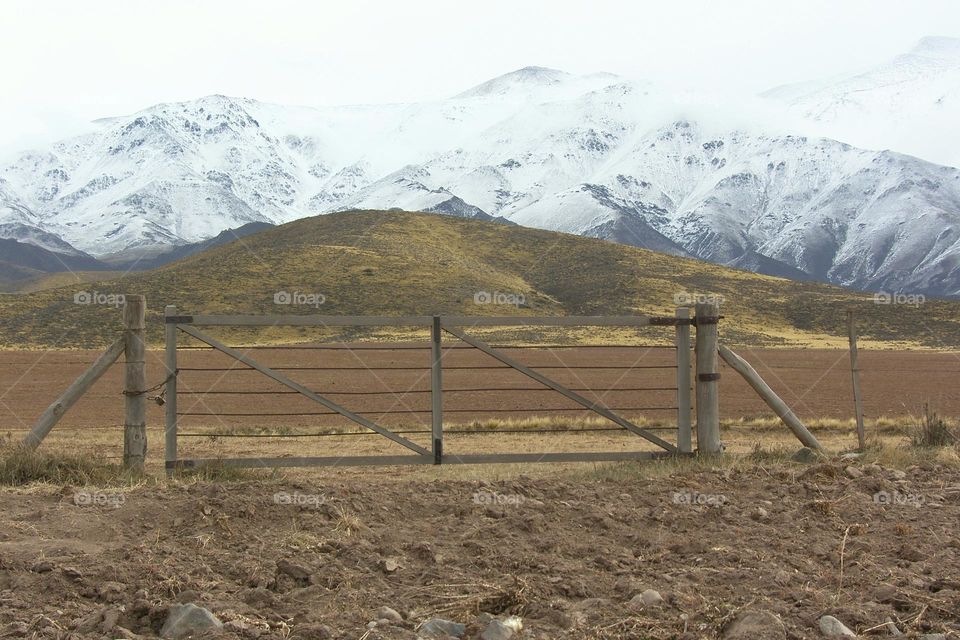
point(806, 455)
point(386, 613)
point(853, 472)
point(440, 628)
point(830, 626)
point(752, 625)
point(648, 598)
point(185, 620)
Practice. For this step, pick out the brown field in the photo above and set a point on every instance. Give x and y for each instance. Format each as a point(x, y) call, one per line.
point(816, 383)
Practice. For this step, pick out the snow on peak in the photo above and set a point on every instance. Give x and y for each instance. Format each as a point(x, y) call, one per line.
point(524, 78)
point(937, 47)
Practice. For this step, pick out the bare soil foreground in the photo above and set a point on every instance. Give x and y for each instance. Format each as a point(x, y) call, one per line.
point(569, 554)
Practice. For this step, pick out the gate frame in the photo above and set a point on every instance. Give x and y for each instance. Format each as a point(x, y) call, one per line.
point(707, 417)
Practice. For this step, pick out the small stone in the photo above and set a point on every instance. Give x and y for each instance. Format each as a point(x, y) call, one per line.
point(496, 630)
point(295, 571)
point(806, 455)
point(440, 628)
point(386, 613)
point(72, 573)
point(760, 514)
point(185, 620)
point(648, 598)
point(898, 475)
point(42, 567)
point(372, 624)
point(853, 472)
point(830, 626)
point(752, 625)
point(390, 565)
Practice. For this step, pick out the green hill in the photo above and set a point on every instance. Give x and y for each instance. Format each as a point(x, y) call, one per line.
point(396, 263)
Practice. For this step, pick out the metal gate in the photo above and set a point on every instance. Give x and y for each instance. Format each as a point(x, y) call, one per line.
point(459, 328)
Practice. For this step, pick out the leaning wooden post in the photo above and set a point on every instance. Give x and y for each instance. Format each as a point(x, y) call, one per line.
point(708, 394)
point(436, 390)
point(773, 401)
point(74, 392)
point(684, 429)
point(135, 383)
point(170, 397)
point(855, 374)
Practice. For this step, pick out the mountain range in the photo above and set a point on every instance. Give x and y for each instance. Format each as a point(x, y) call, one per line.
point(594, 155)
point(402, 263)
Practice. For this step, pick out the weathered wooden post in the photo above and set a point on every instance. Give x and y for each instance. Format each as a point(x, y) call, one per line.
point(684, 428)
point(855, 374)
point(436, 390)
point(74, 392)
point(170, 397)
point(135, 383)
point(708, 394)
point(773, 401)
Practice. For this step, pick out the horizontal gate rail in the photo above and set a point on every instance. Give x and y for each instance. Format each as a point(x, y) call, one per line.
point(423, 321)
point(481, 458)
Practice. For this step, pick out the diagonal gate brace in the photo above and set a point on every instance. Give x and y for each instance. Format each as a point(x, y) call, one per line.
point(282, 379)
point(596, 408)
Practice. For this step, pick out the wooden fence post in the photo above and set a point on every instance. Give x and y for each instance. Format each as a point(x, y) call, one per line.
point(170, 397)
point(855, 374)
point(436, 387)
point(135, 383)
point(684, 429)
point(708, 396)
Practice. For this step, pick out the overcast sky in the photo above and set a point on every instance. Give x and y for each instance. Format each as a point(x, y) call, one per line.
point(65, 63)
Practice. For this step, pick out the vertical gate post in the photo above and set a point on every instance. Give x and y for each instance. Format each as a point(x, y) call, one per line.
point(135, 383)
point(170, 397)
point(855, 375)
point(684, 435)
point(708, 397)
point(436, 390)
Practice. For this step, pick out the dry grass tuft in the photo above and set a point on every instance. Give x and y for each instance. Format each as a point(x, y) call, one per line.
point(932, 431)
point(20, 466)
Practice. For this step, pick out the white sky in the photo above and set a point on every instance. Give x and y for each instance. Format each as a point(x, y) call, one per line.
point(67, 62)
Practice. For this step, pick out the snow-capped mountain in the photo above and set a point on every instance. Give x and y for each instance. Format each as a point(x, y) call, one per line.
point(909, 103)
point(594, 155)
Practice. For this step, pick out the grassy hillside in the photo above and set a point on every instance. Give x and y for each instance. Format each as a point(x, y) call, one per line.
point(396, 263)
